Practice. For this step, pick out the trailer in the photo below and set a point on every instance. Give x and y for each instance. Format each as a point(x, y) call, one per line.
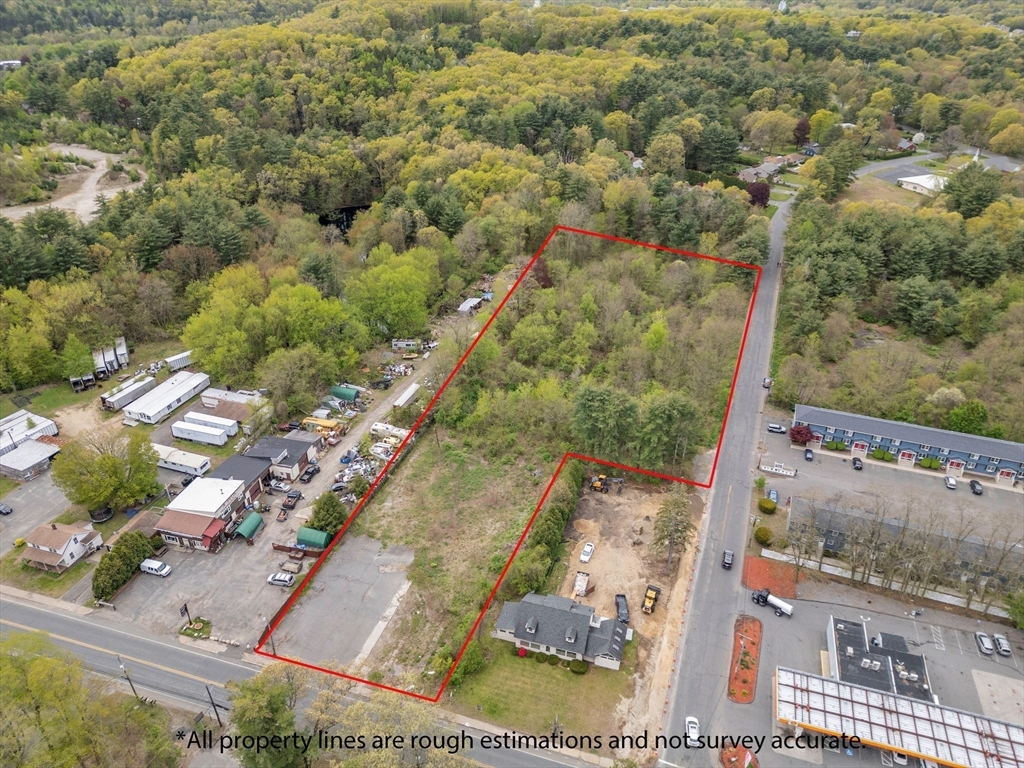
point(217, 422)
point(407, 397)
point(380, 429)
point(212, 397)
point(110, 360)
point(181, 461)
point(582, 586)
point(129, 392)
point(198, 433)
point(405, 344)
point(157, 404)
point(765, 597)
point(177, 362)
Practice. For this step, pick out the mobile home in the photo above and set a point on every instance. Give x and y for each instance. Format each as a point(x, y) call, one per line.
point(177, 362)
point(129, 392)
point(181, 461)
point(199, 433)
point(228, 425)
point(159, 403)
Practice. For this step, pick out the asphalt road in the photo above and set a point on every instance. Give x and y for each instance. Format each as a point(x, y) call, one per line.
point(36, 502)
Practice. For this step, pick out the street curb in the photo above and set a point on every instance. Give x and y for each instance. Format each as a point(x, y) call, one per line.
point(51, 602)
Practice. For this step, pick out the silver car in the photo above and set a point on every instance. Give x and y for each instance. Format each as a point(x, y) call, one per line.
point(1002, 645)
point(281, 579)
point(984, 643)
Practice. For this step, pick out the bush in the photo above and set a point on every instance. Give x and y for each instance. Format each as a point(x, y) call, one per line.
point(763, 536)
point(133, 175)
point(578, 667)
point(767, 506)
point(540, 658)
point(835, 445)
point(19, 542)
point(120, 564)
point(930, 462)
point(515, 649)
point(553, 660)
point(530, 654)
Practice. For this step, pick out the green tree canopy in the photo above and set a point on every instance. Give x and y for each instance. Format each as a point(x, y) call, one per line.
point(107, 469)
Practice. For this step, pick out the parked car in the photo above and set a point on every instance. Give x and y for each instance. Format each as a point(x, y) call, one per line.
point(858, 463)
point(767, 383)
point(976, 488)
point(950, 482)
point(777, 428)
point(727, 557)
point(692, 729)
point(292, 500)
point(186, 480)
point(308, 472)
point(277, 485)
point(773, 495)
point(622, 608)
point(808, 454)
point(1002, 645)
point(5, 509)
point(338, 487)
point(587, 553)
point(984, 643)
point(281, 579)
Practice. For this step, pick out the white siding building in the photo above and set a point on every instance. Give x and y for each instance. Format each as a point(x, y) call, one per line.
point(181, 461)
point(21, 426)
point(157, 405)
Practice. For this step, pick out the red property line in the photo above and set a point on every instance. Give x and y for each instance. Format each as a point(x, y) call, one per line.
point(282, 612)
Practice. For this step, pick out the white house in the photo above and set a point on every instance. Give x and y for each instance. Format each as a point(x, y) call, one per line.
point(56, 547)
point(929, 184)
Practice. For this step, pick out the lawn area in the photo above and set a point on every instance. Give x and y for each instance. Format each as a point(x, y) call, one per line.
point(792, 178)
point(16, 574)
point(520, 693)
point(49, 399)
point(872, 189)
point(107, 528)
point(779, 196)
point(6, 486)
point(770, 210)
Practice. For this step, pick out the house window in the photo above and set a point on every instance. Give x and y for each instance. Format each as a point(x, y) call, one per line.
point(944, 451)
point(846, 443)
point(990, 469)
point(927, 448)
point(848, 432)
point(994, 461)
point(895, 442)
point(877, 438)
point(874, 446)
point(975, 456)
point(830, 430)
point(971, 465)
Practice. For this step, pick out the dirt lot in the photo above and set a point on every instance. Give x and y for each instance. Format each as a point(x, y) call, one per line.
point(75, 420)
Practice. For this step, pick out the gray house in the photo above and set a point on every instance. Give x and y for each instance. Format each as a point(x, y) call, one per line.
point(559, 626)
point(909, 443)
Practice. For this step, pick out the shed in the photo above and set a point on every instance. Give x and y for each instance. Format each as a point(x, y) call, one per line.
point(470, 306)
point(310, 537)
point(250, 527)
point(347, 394)
point(28, 460)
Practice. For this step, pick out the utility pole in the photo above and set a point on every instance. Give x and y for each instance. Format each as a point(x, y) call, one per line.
point(124, 669)
point(270, 636)
point(215, 710)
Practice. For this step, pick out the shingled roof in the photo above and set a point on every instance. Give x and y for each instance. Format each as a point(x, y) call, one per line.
point(563, 624)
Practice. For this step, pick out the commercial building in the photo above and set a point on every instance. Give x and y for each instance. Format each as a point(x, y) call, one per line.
point(287, 457)
point(908, 444)
point(21, 426)
point(883, 662)
point(210, 496)
point(557, 625)
point(56, 547)
point(28, 460)
point(928, 184)
point(126, 393)
point(191, 531)
point(181, 461)
point(254, 473)
point(203, 514)
point(158, 404)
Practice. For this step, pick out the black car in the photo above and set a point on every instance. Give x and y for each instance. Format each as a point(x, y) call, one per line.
point(5, 509)
point(858, 463)
point(727, 559)
point(976, 488)
point(308, 473)
point(808, 454)
point(622, 608)
point(186, 480)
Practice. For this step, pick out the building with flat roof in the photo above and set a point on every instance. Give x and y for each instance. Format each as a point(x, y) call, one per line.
point(28, 460)
point(211, 497)
point(882, 662)
point(157, 404)
point(956, 452)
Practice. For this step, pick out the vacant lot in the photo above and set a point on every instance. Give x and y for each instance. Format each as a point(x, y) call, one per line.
point(871, 189)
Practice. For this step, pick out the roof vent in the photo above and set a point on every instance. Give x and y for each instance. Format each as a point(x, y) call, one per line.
point(840, 626)
point(531, 625)
point(913, 677)
point(903, 675)
point(876, 665)
point(570, 634)
point(865, 663)
point(849, 651)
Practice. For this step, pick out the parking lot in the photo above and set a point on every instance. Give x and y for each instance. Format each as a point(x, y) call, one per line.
point(35, 502)
point(902, 171)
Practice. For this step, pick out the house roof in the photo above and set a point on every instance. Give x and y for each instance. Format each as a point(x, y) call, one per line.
point(56, 535)
point(205, 495)
point(940, 438)
point(183, 523)
point(167, 453)
point(562, 623)
point(28, 454)
point(302, 436)
point(248, 469)
point(928, 181)
point(607, 639)
point(34, 555)
point(469, 304)
point(226, 409)
point(905, 144)
point(273, 447)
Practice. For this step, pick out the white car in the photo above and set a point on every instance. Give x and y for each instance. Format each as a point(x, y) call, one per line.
point(277, 485)
point(281, 579)
point(898, 758)
point(950, 482)
point(587, 553)
point(692, 729)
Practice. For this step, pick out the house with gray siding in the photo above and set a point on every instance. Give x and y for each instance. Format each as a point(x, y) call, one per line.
point(957, 452)
point(559, 626)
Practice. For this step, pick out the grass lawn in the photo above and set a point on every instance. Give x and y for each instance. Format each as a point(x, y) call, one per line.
point(50, 398)
point(779, 196)
point(107, 528)
point(770, 210)
point(525, 695)
point(16, 574)
point(792, 178)
point(873, 189)
point(6, 485)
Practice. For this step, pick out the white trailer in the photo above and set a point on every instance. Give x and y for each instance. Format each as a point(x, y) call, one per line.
point(213, 397)
point(217, 422)
point(158, 404)
point(199, 433)
point(177, 362)
point(181, 461)
point(380, 429)
point(581, 586)
point(406, 397)
point(129, 392)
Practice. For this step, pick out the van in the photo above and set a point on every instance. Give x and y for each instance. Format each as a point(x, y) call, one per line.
point(155, 567)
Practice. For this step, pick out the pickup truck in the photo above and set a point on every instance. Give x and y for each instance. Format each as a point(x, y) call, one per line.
point(292, 500)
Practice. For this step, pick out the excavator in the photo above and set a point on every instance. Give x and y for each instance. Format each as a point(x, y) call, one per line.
point(602, 483)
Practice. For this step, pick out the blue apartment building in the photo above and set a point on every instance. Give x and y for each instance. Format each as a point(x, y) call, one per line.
point(1000, 460)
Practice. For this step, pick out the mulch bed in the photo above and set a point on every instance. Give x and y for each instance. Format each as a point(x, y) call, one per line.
point(746, 650)
point(734, 757)
point(759, 572)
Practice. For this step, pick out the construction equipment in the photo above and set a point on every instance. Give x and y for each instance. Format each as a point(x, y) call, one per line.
point(602, 483)
point(651, 598)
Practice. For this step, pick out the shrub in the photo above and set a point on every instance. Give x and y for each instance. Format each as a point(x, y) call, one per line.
point(578, 667)
point(133, 175)
point(767, 506)
point(835, 445)
point(515, 649)
point(763, 536)
point(540, 658)
point(878, 453)
point(530, 654)
point(930, 462)
point(553, 660)
point(120, 564)
point(886, 456)
point(19, 542)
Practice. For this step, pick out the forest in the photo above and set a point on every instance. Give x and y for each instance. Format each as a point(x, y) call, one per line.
point(455, 134)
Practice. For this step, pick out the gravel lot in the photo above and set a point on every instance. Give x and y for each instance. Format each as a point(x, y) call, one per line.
point(36, 502)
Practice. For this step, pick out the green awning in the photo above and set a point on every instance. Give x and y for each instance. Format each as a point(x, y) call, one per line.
point(250, 526)
point(311, 537)
point(344, 393)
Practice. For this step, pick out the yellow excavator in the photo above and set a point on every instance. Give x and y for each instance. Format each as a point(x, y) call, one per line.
point(602, 483)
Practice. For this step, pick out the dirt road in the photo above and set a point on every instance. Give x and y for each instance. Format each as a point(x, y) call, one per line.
point(82, 185)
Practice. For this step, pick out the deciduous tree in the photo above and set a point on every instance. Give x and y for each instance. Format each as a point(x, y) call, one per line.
point(107, 469)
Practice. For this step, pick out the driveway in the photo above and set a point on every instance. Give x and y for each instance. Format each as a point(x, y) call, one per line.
point(36, 502)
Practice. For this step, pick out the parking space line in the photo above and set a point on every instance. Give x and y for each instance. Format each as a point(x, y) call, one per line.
point(937, 638)
point(957, 633)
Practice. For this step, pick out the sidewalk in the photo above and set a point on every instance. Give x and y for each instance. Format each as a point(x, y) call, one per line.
point(14, 593)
